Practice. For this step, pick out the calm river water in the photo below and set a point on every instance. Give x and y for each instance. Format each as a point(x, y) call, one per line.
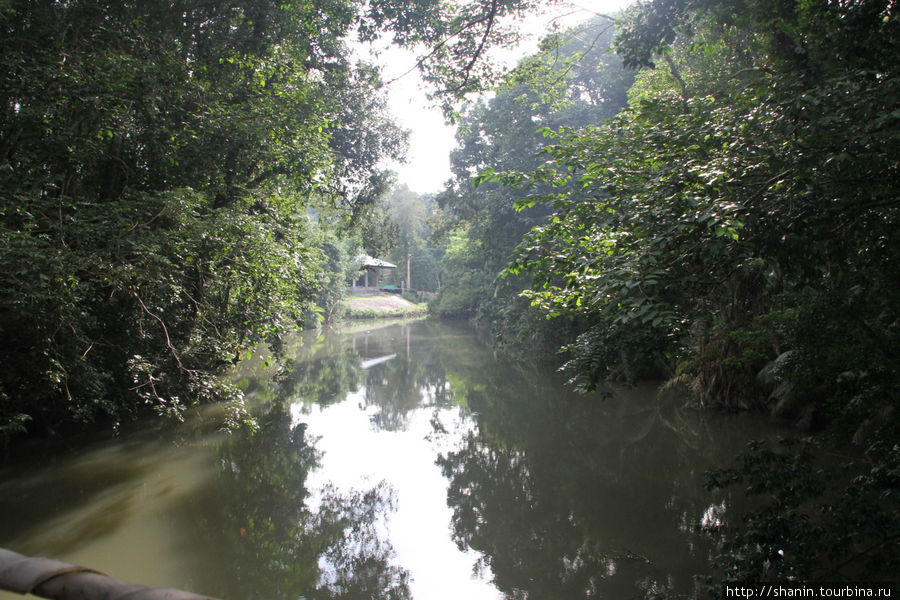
point(392, 461)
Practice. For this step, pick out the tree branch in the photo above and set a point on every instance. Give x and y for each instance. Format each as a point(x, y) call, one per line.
point(165, 331)
point(487, 32)
point(677, 75)
point(421, 61)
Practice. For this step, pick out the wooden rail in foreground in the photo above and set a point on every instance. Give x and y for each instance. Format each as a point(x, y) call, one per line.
point(62, 581)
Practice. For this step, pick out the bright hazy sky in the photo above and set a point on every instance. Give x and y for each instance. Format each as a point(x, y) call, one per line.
point(428, 164)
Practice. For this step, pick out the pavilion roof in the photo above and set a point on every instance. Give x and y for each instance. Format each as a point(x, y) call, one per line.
point(370, 261)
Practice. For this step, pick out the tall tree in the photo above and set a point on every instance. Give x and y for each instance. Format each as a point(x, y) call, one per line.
point(737, 224)
point(411, 216)
point(157, 161)
point(573, 81)
point(717, 196)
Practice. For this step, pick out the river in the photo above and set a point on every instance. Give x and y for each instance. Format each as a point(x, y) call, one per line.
point(401, 460)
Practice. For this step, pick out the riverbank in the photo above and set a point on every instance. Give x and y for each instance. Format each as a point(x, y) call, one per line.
point(381, 305)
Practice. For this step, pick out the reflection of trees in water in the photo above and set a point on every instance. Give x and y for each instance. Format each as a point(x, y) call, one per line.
point(322, 369)
point(413, 378)
point(576, 497)
point(325, 369)
point(393, 388)
point(358, 566)
point(323, 380)
point(564, 496)
point(268, 542)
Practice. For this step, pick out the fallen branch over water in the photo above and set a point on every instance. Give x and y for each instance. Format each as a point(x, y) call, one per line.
point(63, 581)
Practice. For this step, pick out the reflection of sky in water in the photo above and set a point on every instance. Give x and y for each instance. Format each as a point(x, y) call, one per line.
point(552, 494)
point(358, 456)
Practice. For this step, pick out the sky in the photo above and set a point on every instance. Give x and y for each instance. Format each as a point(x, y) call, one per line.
point(431, 139)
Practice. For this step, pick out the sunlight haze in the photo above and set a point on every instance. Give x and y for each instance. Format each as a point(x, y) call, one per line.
point(431, 139)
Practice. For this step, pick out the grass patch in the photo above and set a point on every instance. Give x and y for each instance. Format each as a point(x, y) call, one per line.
point(362, 308)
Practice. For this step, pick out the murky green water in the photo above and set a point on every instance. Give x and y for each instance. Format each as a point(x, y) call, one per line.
point(400, 461)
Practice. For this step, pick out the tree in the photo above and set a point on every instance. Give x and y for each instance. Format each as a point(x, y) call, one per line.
point(574, 80)
point(736, 224)
point(453, 39)
point(156, 165)
point(399, 229)
point(716, 196)
point(157, 162)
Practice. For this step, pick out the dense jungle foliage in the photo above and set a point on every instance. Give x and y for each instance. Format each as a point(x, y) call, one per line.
point(707, 192)
point(575, 80)
point(156, 167)
point(182, 180)
point(734, 230)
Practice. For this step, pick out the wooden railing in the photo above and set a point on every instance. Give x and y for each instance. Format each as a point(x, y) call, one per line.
point(62, 581)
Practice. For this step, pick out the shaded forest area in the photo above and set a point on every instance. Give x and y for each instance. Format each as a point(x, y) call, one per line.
point(715, 205)
point(703, 191)
point(181, 181)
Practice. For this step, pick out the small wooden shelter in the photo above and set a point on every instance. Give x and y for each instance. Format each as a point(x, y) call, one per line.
point(371, 268)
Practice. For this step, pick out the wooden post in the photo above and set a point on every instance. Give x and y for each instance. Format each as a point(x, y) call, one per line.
point(409, 284)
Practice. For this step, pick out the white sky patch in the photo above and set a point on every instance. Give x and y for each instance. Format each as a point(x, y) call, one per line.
point(431, 139)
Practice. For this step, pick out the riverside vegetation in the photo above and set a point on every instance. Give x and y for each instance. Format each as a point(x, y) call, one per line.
point(699, 190)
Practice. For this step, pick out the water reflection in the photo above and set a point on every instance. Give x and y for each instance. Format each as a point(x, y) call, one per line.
point(61, 505)
point(551, 494)
point(392, 462)
point(576, 497)
point(385, 431)
point(564, 507)
point(255, 516)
